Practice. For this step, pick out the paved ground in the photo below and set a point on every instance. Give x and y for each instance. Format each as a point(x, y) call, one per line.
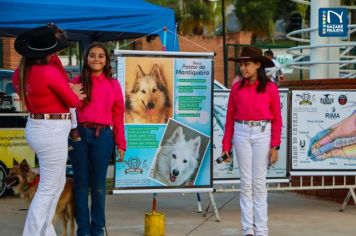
point(290, 215)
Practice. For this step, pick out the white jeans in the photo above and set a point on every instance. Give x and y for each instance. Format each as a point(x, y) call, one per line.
point(252, 147)
point(49, 139)
point(73, 120)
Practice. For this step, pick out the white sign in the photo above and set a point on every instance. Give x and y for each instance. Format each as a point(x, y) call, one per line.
point(223, 170)
point(230, 171)
point(285, 59)
point(323, 130)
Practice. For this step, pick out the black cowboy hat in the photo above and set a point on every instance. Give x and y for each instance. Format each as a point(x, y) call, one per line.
point(39, 42)
point(255, 54)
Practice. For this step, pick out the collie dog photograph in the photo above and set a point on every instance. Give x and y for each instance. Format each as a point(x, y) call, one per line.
point(179, 157)
point(24, 182)
point(148, 91)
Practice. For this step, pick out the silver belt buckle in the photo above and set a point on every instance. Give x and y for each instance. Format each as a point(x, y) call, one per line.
point(250, 123)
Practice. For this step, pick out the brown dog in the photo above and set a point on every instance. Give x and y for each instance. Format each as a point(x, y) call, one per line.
point(24, 182)
point(148, 101)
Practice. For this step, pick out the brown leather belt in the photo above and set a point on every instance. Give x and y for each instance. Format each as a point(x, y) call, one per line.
point(97, 127)
point(53, 116)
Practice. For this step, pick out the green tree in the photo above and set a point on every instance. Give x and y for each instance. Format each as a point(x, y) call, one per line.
point(197, 17)
point(259, 16)
point(171, 4)
point(348, 2)
point(165, 3)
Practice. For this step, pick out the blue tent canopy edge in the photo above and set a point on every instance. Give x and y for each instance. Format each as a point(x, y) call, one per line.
point(89, 20)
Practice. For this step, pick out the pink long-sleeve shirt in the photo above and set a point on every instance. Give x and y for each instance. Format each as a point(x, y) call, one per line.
point(106, 107)
point(47, 89)
point(246, 104)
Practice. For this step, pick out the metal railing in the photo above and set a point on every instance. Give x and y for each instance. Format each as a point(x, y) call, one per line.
point(302, 53)
point(305, 183)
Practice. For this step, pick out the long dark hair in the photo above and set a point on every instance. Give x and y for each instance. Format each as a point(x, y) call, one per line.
point(261, 77)
point(85, 75)
point(24, 67)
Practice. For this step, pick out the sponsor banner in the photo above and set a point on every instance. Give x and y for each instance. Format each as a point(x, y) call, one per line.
point(323, 130)
point(333, 22)
point(230, 171)
point(13, 145)
point(226, 171)
point(167, 122)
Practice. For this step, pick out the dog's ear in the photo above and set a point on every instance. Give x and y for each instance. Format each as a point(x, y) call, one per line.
point(139, 75)
point(24, 166)
point(14, 162)
point(196, 145)
point(139, 72)
point(177, 135)
point(156, 73)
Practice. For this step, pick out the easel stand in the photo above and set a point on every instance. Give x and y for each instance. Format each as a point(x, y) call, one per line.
point(216, 211)
point(211, 202)
point(347, 198)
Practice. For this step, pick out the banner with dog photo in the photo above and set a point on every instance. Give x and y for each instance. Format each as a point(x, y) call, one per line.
point(229, 172)
point(168, 108)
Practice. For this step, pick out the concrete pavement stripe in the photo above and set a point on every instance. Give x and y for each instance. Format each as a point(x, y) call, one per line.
point(231, 231)
point(131, 226)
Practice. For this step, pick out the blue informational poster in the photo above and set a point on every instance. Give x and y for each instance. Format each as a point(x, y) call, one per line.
point(168, 126)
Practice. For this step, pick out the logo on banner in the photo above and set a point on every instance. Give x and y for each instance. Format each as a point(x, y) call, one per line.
point(342, 99)
point(133, 164)
point(302, 143)
point(327, 99)
point(332, 115)
point(305, 99)
point(333, 22)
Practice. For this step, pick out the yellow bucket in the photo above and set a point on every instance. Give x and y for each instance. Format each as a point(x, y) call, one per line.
point(154, 224)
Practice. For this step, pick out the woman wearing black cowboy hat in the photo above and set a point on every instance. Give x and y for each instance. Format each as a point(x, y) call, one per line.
point(45, 93)
point(253, 128)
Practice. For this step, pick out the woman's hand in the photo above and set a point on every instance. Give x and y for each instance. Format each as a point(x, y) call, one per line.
point(78, 90)
point(273, 156)
point(121, 154)
point(226, 153)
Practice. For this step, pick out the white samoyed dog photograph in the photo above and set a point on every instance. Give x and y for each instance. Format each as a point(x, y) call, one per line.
point(179, 157)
